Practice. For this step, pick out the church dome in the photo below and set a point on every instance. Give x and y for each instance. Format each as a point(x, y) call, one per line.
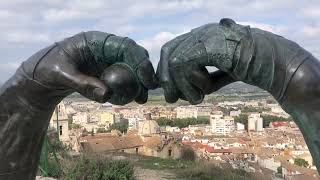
point(149, 127)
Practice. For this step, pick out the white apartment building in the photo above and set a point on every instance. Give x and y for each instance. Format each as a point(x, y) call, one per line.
point(132, 113)
point(221, 124)
point(255, 122)
point(187, 112)
point(269, 163)
point(240, 127)
point(133, 123)
point(204, 110)
point(230, 103)
point(235, 113)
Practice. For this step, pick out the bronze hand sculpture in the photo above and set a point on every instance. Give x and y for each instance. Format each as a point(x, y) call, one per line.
point(257, 57)
point(75, 64)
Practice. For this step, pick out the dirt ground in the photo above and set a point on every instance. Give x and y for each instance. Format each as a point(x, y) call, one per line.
point(147, 174)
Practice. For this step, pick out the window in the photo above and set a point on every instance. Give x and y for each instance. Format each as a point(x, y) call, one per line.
point(169, 152)
point(60, 130)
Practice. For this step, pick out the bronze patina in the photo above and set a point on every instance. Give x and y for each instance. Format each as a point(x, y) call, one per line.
point(76, 64)
point(260, 58)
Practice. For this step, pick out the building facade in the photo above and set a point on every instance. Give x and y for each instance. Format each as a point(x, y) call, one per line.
point(222, 124)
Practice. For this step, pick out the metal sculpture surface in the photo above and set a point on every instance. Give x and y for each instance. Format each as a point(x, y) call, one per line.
point(75, 64)
point(88, 62)
point(281, 67)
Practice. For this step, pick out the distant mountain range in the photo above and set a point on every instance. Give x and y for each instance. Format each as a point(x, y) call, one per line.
point(236, 87)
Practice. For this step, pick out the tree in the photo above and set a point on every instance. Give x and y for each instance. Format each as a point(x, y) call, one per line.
point(279, 169)
point(269, 118)
point(75, 126)
point(301, 162)
point(182, 123)
point(164, 122)
point(187, 153)
point(121, 126)
point(225, 110)
point(248, 109)
point(242, 118)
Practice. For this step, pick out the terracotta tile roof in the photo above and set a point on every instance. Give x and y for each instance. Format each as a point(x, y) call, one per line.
point(212, 150)
point(242, 151)
point(153, 142)
point(111, 143)
point(292, 167)
point(280, 124)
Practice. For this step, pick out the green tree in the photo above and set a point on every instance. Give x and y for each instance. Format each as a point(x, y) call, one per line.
point(301, 162)
point(121, 126)
point(248, 109)
point(279, 169)
point(242, 118)
point(187, 153)
point(75, 126)
point(269, 118)
point(164, 122)
point(182, 123)
point(225, 110)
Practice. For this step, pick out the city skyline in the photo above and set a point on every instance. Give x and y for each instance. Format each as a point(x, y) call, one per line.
point(253, 134)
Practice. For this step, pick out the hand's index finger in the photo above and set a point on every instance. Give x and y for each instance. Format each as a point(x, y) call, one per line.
point(137, 58)
point(171, 93)
point(166, 52)
point(146, 75)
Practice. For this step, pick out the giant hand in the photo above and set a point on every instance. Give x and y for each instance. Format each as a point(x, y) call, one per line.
point(260, 58)
point(75, 64)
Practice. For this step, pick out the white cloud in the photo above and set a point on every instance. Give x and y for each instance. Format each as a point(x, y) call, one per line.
point(157, 41)
point(153, 44)
point(311, 31)
point(267, 27)
point(9, 65)
point(27, 37)
point(54, 15)
point(28, 25)
point(5, 14)
point(313, 12)
point(126, 29)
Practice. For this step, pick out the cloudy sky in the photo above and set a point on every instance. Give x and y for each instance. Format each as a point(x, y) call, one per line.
point(28, 25)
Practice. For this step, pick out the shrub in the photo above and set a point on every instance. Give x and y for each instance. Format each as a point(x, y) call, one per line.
point(54, 169)
point(207, 171)
point(279, 170)
point(95, 168)
point(75, 126)
point(188, 154)
point(301, 162)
